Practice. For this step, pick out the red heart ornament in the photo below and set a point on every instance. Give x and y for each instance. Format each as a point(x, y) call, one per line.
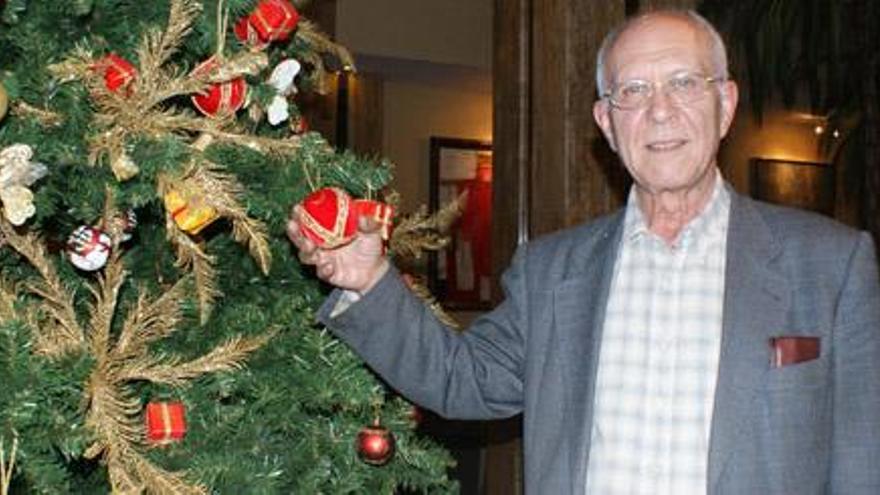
point(326, 219)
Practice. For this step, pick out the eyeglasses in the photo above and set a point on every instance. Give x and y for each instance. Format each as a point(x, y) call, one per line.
point(682, 88)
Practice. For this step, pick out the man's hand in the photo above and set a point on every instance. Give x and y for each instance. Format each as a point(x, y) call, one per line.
point(355, 266)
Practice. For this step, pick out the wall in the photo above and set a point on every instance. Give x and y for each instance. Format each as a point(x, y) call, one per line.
point(789, 135)
point(434, 59)
point(782, 134)
point(442, 31)
point(413, 113)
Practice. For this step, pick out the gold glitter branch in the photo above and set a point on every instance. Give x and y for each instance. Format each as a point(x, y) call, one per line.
point(223, 193)
point(158, 47)
point(425, 295)
point(65, 335)
point(320, 43)
point(220, 191)
point(420, 231)
point(310, 33)
point(102, 311)
point(7, 467)
point(113, 410)
point(151, 321)
point(190, 256)
point(227, 356)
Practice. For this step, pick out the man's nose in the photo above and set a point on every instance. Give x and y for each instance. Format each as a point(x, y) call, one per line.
point(661, 106)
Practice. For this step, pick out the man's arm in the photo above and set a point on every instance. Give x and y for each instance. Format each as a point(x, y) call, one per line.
point(856, 442)
point(474, 374)
point(471, 374)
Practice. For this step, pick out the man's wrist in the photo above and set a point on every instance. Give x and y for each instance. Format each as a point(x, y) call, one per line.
point(380, 272)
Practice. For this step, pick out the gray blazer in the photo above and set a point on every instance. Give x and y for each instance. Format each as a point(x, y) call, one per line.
point(808, 428)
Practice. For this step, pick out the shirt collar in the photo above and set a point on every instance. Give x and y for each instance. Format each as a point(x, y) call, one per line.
point(711, 221)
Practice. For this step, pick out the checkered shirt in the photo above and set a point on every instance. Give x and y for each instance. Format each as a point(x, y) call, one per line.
point(658, 363)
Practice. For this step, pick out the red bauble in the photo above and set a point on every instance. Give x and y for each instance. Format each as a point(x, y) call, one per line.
point(375, 444)
point(273, 20)
point(165, 422)
point(220, 99)
point(117, 71)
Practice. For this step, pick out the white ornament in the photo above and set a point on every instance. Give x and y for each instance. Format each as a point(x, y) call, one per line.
point(88, 248)
point(18, 204)
point(283, 75)
point(17, 171)
point(278, 111)
point(282, 80)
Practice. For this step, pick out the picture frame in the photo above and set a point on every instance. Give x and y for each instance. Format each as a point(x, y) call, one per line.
point(799, 184)
point(459, 276)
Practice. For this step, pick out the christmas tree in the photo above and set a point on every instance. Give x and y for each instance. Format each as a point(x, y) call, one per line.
point(157, 332)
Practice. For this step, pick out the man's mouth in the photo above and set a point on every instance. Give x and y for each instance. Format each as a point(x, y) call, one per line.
point(666, 145)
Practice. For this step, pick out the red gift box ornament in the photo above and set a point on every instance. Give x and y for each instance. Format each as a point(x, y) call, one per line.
point(219, 99)
point(117, 72)
point(166, 422)
point(274, 20)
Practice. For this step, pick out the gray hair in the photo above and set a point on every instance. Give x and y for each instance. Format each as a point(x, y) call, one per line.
point(719, 52)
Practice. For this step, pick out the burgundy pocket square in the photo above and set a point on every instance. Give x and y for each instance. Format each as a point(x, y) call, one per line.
point(791, 350)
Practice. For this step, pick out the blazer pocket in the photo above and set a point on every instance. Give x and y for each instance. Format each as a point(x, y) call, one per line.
point(806, 374)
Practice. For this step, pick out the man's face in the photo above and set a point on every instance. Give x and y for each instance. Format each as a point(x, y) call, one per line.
point(666, 146)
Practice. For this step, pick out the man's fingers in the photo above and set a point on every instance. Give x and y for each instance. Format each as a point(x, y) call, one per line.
point(368, 225)
point(326, 270)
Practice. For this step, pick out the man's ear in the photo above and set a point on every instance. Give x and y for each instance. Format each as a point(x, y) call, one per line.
point(602, 116)
point(729, 100)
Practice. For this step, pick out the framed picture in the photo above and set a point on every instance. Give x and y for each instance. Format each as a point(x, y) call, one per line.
point(806, 185)
point(460, 275)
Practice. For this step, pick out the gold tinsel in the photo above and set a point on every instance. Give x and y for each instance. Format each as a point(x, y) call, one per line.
point(112, 409)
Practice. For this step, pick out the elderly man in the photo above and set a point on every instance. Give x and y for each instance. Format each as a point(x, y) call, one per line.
point(696, 341)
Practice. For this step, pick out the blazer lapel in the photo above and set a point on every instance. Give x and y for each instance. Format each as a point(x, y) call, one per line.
point(579, 312)
point(756, 299)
